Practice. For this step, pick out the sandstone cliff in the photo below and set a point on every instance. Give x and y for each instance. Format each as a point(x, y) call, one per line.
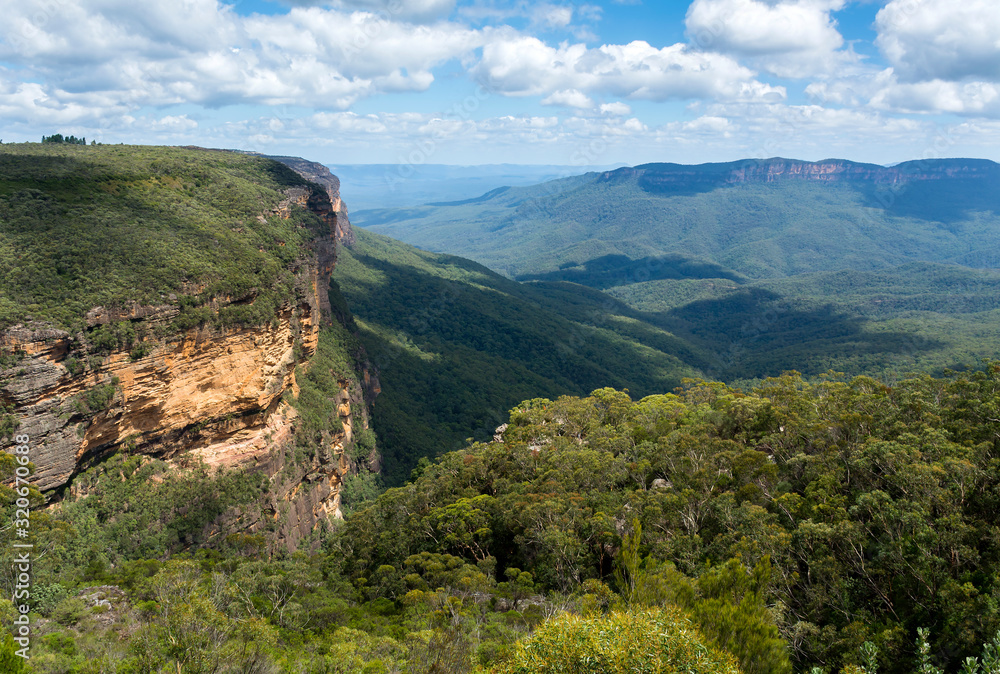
point(214, 392)
point(321, 175)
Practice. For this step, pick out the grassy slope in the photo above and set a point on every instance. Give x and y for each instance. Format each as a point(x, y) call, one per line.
point(458, 345)
point(82, 226)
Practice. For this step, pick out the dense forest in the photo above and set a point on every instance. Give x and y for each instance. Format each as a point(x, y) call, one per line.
point(458, 345)
point(835, 524)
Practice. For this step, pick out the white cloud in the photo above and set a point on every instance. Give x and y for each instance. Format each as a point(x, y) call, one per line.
point(130, 56)
point(710, 123)
point(633, 126)
point(526, 66)
point(970, 98)
point(407, 10)
point(772, 130)
point(941, 39)
point(790, 38)
point(347, 122)
point(882, 90)
point(173, 124)
point(539, 14)
point(570, 98)
point(138, 55)
point(40, 104)
point(855, 89)
point(554, 16)
point(617, 108)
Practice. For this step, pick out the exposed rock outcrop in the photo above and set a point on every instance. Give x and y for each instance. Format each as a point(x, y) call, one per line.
point(162, 402)
point(320, 174)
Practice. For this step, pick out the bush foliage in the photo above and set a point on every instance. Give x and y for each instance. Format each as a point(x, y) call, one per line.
point(110, 226)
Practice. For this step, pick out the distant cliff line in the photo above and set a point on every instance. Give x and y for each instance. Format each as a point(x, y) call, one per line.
point(777, 169)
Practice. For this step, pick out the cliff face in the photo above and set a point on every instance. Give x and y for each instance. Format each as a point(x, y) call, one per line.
point(211, 392)
point(320, 174)
point(665, 177)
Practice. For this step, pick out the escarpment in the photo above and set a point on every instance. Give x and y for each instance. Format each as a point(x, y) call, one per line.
point(667, 177)
point(201, 376)
point(321, 175)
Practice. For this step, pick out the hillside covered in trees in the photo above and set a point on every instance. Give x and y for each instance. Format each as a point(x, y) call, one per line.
point(457, 345)
point(800, 525)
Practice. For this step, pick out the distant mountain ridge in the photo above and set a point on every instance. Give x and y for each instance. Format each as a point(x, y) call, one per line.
point(777, 169)
point(768, 218)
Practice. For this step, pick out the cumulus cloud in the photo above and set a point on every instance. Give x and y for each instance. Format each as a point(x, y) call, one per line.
point(526, 66)
point(790, 38)
point(570, 98)
point(883, 90)
point(43, 104)
point(86, 65)
point(173, 124)
point(360, 45)
point(347, 122)
point(616, 108)
point(788, 125)
point(127, 56)
point(554, 16)
point(710, 123)
point(970, 98)
point(407, 10)
point(940, 39)
point(204, 53)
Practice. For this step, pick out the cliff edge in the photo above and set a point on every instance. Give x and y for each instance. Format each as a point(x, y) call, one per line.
point(208, 371)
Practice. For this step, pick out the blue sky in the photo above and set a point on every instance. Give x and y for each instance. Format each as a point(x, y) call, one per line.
point(492, 81)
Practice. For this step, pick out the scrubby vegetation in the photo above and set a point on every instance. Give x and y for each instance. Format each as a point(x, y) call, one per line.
point(110, 226)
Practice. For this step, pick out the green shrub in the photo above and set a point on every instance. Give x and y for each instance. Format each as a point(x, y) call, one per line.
point(10, 359)
point(8, 422)
point(70, 611)
point(96, 399)
point(639, 642)
point(140, 350)
point(105, 339)
point(10, 662)
point(47, 597)
point(75, 366)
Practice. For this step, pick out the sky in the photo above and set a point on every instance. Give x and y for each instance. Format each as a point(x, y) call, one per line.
point(510, 81)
